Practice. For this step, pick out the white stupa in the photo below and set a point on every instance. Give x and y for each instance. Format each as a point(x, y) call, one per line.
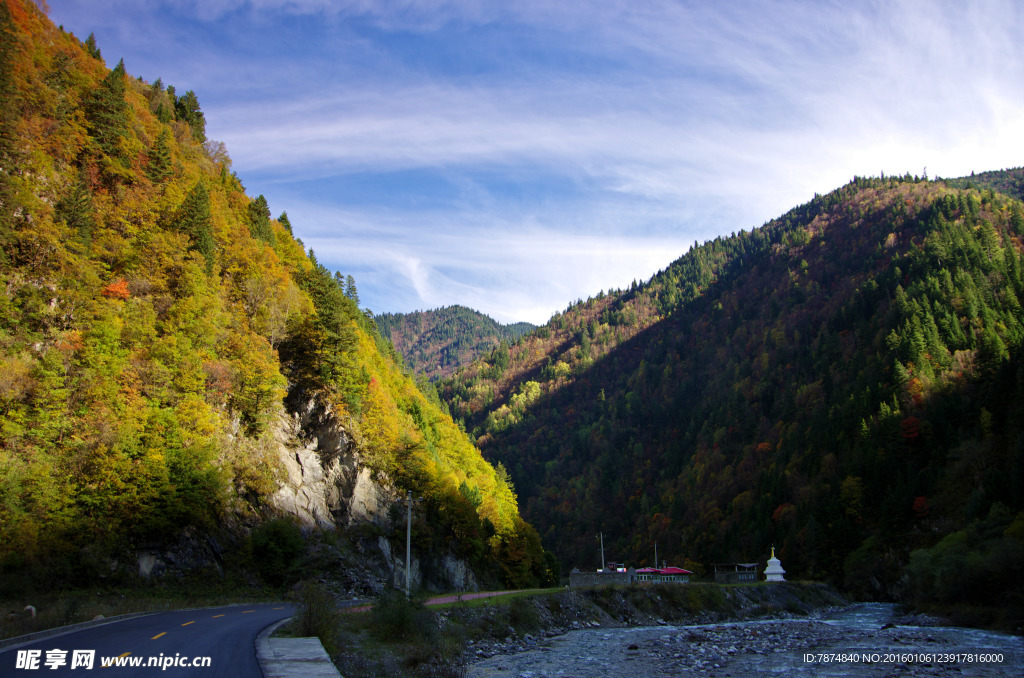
point(774, 570)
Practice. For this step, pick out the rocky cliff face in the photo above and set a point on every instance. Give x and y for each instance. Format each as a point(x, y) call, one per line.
point(325, 485)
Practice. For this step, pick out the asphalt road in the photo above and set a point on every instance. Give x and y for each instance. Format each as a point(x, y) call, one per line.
point(219, 641)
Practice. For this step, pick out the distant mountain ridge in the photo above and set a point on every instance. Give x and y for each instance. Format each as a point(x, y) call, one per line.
point(436, 343)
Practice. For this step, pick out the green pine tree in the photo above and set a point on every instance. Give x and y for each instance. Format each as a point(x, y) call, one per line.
point(350, 289)
point(76, 211)
point(193, 217)
point(334, 333)
point(284, 221)
point(107, 112)
point(91, 48)
point(161, 102)
point(259, 221)
point(159, 168)
point(187, 109)
point(1017, 218)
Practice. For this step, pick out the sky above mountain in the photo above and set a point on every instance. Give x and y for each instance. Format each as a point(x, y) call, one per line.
point(516, 156)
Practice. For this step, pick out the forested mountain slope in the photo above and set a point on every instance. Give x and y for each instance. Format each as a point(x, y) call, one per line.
point(1010, 182)
point(844, 382)
point(436, 343)
point(152, 318)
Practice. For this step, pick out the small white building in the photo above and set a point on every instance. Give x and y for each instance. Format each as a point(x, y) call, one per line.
point(774, 570)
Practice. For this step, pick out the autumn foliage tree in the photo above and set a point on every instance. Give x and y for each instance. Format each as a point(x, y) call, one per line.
point(152, 320)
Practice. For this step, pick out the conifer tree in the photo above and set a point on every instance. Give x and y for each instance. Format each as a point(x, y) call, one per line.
point(259, 221)
point(107, 112)
point(159, 167)
point(193, 218)
point(163, 114)
point(161, 102)
point(187, 109)
point(75, 209)
point(91, 48)
point(284, 221)
point(350, 289)
point(1017, 218)
point(333, 323)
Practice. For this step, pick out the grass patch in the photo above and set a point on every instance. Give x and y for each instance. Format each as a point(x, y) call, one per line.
point(397, 617)
point(497, 600)
point(401, 638)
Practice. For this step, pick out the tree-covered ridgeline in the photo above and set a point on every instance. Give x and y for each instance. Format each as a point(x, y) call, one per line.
point(844, 382)
point(1009, 182)
point(436, 343)
point(152, 319)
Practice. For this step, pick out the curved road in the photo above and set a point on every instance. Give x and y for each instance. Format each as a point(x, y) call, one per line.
point(224, 635)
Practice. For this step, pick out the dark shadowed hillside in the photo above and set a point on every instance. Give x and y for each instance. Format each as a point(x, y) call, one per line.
point(844, 382)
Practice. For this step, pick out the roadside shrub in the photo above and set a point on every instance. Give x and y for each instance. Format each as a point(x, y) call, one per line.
point(319, 616)
point(396, 617)
point(276, 547)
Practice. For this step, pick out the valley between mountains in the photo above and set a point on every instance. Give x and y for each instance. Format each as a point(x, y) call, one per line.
point(188, 394)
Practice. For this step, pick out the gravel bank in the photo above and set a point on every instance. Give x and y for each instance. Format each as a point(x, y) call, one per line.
point(859, 641)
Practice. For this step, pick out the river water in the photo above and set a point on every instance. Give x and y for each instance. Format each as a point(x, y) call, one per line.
point(858, 641)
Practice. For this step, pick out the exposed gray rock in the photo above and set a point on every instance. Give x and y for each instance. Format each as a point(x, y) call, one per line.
point(147, 562)
point(303, 491)
point(752, 649)
point(326, 485)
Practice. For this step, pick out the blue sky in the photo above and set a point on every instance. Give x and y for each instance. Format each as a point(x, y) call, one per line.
point(517, 156)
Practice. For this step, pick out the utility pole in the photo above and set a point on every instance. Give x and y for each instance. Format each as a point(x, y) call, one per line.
point(408, 540)
point(602, 551)
point(655, 555)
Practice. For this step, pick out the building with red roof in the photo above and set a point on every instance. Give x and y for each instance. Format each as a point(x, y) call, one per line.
point(663, 575)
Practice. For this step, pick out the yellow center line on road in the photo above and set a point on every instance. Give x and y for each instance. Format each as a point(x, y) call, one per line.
point(187, 623)
point(216, 615)
point(153, 638)
point(247, 611)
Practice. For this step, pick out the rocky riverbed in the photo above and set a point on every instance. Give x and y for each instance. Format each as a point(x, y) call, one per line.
point(864, 640)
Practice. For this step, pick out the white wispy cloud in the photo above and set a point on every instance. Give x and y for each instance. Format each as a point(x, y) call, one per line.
point(516, 156)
